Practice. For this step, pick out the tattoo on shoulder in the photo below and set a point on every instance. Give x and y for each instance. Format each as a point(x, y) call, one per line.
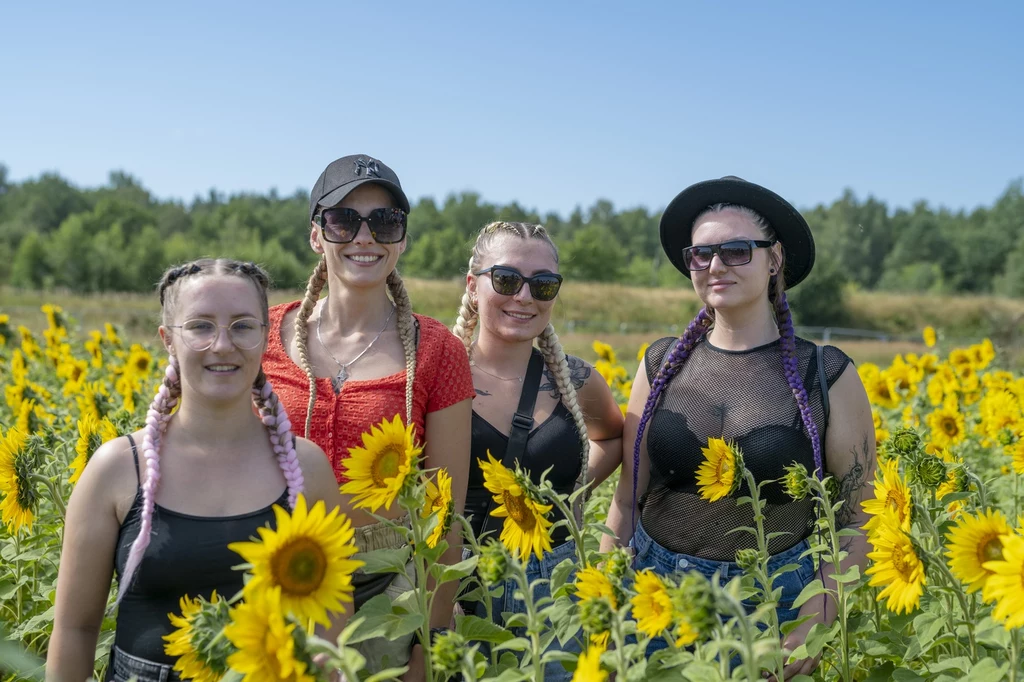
point(481, 392)
point(579, 372)
point(851, 485)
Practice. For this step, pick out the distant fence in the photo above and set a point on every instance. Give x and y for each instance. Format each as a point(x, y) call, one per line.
point(825, 334)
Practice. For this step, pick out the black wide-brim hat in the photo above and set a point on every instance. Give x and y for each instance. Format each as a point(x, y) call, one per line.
point(345, 174)
point(790, 227)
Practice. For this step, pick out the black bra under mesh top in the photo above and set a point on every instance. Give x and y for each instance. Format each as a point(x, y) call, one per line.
point(741, 396)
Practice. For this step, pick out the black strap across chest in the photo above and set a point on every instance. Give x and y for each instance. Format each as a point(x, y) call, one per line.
point(522, 424)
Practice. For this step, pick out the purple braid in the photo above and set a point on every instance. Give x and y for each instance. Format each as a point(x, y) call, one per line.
point(279, 427)
point(790, 366)
point(158, 415)
point(669, 368)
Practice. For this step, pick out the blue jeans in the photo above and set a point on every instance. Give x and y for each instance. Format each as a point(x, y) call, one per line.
point(537, 569)
point(122, 667)
point(649, 554)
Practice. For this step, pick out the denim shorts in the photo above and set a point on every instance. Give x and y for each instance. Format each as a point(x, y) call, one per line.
point(538, 569)
point(649, 554)
point(122, 667)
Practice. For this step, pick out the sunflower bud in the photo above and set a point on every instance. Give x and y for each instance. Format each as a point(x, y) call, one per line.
point(492, 566)
point(747, 559)
point(206, 639)
point(832, 488)
point(930, 471)
point(596, 615)
point(446, 652)
point(1006, 437)
point(616, 567)
point(795, 481)
point(960, 479)
point(695, 600)
point(905, 441)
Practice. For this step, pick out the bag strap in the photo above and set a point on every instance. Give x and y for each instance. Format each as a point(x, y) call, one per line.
point(522, 424)
point(823, 384)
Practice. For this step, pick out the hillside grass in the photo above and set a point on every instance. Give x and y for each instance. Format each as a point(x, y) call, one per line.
point(622, 316)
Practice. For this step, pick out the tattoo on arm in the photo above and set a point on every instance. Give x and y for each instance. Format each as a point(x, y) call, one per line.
point(579, 372)
point(481, 392)
point(851, 484)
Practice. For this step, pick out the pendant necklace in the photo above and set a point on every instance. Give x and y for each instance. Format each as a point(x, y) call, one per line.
point(472, 363)
point(339, 380)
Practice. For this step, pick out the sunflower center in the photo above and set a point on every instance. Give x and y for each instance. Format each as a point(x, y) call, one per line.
point(386, 465)
point(991, 549)
point(299, 566)
point(949, 426)
point(899, 562)
point(894, 499)
point(722, 468)
point(518, 511)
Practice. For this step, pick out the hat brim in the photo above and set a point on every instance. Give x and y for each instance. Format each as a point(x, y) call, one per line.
point(790, 227)
point(335, 196)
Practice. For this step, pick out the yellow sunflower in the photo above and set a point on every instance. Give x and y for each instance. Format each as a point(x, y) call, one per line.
point(588, 666)
point(929, 336)
point(904, 377)
point(1000, 410)
point(266, 645)
point(982, 354)
point(139, 360)
point(439, 501)
point(891, 496)
point(642, 352)
point(604, 352)
point(652, 605)
point(526, 528)
point(973, 541)
point(377, 470)
point(1004, 585)
point(306, 559)
point(719, 473)
point(895, 567)
point(947, 426)
point(591, 583)
point(937, 389)
point(191, 664)
point(1016, 451)
point(959, 357)
point(92, 433)
point(18, 496)
point(685, 632)
point(882, 391)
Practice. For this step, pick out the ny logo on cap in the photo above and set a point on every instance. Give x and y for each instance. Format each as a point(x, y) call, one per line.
point(370, 167)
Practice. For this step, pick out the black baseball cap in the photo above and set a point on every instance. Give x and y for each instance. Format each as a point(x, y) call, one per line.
point(345, 174)
point(790, 227)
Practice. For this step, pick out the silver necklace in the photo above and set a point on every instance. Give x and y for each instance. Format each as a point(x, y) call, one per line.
point(473, 364)
point(339, 380)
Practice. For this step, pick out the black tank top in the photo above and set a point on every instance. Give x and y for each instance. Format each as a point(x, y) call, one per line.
point(741, 396)
point(555, 443)
point(186, 555)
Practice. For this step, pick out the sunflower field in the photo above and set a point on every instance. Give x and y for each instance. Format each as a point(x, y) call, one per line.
point(942, 597)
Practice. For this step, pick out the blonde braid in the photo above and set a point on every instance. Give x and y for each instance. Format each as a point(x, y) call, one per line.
point(407, 332)
point(465, 324)
point(316, 284)
point(554, 357)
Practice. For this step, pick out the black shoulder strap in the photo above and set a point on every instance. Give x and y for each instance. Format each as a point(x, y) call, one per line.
point(522, 423)
point(823, 383)
point(135, 456)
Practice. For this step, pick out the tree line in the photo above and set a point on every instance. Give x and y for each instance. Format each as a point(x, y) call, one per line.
point(119, 237)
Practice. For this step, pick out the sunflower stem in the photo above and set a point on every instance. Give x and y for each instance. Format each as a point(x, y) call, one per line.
point(747, 650)
point(17, 574)
point(763, 577)
point(836, 556)
point(1014, 654)
point(574, 529)
point(944, 571)
point(54, 494)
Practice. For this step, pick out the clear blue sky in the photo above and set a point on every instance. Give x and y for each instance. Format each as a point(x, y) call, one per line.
point(553, 104)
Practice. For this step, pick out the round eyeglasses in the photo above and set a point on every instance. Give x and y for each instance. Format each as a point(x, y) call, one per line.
point(199, 334)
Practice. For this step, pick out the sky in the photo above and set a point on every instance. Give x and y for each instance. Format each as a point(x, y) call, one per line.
point(551, 104)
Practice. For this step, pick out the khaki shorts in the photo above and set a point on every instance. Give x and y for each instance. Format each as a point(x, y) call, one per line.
point(381, 653)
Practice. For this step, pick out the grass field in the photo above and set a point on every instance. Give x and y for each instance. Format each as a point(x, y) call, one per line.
point(624, 317)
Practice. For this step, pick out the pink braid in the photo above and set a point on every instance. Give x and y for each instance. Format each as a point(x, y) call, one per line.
point(279, 427)
point(158, 415)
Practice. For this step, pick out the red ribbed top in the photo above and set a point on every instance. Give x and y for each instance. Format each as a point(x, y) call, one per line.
point(443, 378)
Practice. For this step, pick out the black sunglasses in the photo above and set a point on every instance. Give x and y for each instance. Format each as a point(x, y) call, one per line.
point(734, 252)
point(341, 225)
point(509, 282)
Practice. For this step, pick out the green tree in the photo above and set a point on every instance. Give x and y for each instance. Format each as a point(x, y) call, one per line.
point(591, 255)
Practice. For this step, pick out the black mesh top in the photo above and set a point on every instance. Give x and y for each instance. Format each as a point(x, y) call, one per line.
point(741, 396)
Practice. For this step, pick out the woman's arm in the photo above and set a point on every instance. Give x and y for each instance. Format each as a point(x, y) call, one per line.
point(850, 459)
point(604, 427)
point(91, 529)
point(620, 513)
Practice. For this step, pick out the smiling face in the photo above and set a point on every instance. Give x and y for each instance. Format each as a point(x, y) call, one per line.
point(518, 317)
point(223, 372)
point(724, 287)
point(362, 262)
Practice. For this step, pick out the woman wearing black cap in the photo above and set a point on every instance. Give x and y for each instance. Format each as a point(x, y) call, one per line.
point(344, 363)
point(739, 373)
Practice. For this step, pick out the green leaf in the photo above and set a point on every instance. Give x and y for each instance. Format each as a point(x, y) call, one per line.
point(987, 670)
point(561, 574)
point(959, 663)
point(882, 673)
point(818, 636)
point(14, 660)
point(811, 590)
point(514, 644)
point(387, 674)
point(850, 575)
point(385, 560)
point(380, 620)
point(458, 571)
point(480, 629)
point(906, 675)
